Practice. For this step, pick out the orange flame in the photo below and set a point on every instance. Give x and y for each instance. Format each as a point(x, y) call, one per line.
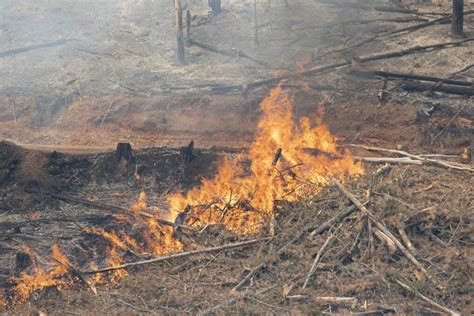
point(243, 197)
point(27, 284)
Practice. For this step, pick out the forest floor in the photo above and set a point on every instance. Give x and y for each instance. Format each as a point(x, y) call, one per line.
point(114, 79)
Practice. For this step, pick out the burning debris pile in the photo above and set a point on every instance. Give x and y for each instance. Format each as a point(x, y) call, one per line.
point(208, 201)
point(288, 160)
point(280, 166)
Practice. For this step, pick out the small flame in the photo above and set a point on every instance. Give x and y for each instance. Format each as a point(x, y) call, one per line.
point(27, 284)
point(115, 259)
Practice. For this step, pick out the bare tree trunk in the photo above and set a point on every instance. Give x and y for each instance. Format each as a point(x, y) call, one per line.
point(188, 28)
point(255, 20)
point(458, 18)
point(180, 58)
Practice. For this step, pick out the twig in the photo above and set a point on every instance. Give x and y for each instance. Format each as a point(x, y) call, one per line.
point(233, 300)
point(178, 255)
point(321, 229)
point(334, 299)
point(318, 258)
point(449, 123)
point(136, 308)
point(106, 112)
point(427, 299)
point(382, 227)
point(248, 277)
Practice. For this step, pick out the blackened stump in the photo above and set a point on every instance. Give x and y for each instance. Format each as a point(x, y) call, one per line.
point(124, 152)
point(187, 153)
point(22, 262)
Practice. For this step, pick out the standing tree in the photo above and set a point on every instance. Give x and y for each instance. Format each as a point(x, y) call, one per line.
point(458, 18)
point(180, 58)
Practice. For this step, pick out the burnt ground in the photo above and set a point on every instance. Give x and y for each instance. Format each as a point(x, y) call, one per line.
point(129, 89)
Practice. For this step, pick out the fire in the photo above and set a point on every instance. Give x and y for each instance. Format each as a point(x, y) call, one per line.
point(288, 160)
point(48, 274)
point(156, 239)
point(244, 192)
point(115, 259)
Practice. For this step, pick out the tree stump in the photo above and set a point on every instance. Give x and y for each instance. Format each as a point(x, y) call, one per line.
point(187, 153)
point(22, 262)
point(124, 152)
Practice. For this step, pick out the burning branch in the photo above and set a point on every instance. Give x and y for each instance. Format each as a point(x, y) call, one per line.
point(178, 255)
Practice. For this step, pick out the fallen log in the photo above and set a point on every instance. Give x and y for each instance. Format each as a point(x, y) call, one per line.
point(226, 52)
point(451, 89)
point(16, 51)
point(398, 75)
point(331, 67)
point(178, 255)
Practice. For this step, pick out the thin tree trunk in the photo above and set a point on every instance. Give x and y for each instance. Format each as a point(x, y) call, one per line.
point(180, 58)
point(458, 18)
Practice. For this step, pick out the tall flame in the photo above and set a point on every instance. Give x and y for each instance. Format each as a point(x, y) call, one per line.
point(242, 197)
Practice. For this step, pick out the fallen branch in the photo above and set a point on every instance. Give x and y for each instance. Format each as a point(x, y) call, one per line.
point(230, 53)
point(16, 51)
point(339, 217)
point(448, 124)
point(178, 255)
point(404, 160)
point(398, 75)
point(116, 209)
point(382, 227)
point(427, 299)
point(423, 159)
point(314, 266)
point(332, 67)
point(451, 89)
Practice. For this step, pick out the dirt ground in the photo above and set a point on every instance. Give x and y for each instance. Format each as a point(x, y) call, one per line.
point(115, 80)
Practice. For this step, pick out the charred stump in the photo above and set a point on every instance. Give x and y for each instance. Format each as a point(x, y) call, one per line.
point(22, 262)
point(124, 152)
point(187, 153)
